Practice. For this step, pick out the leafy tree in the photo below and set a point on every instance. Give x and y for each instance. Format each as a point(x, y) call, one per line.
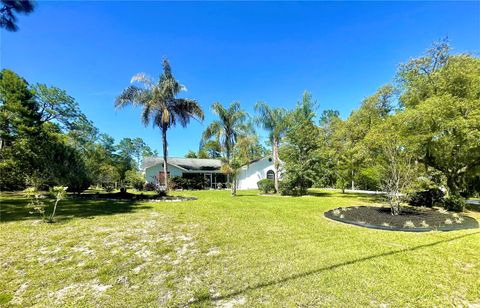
point(191, 154)
point(9, 8)
point(19, 115)
point(273, 120)
point(301, 150)
point(135, 179)
point(440, 94)
point(56, 105)
point(210, 149)
point(160, 105)
point(226, 130)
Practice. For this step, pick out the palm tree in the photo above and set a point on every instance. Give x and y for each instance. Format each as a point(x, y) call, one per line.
point(226, 130)
point(160, 105)
point(273, 120)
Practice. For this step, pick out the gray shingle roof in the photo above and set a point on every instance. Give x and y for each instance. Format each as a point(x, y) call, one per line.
point(190, 164)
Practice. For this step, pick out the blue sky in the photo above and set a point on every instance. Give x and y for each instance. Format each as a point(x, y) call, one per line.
point(245, 51)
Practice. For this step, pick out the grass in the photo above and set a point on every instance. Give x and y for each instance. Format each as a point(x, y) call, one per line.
point(224, 251)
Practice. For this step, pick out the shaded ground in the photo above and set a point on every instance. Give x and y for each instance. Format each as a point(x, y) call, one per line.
point(410, 218)
point(221, 251)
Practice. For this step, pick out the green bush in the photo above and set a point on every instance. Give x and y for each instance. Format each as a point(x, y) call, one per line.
point(292, 188)
point(266, 186)
point(135, 179)
point(455, 203)
point(179, 182)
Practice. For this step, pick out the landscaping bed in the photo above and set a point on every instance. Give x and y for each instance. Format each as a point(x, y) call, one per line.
point(410, 219)
point(125, 196)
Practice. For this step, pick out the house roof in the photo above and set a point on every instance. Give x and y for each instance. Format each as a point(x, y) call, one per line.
point(187, 164)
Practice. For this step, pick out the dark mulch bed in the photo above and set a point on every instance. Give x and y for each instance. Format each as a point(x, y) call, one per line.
point(410, 219)
point(131, 197)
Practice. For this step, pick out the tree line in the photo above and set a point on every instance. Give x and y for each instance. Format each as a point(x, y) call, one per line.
point(46, 141)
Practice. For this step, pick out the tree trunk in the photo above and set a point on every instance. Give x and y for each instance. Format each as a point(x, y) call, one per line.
point(234, 186)
point(276, 163)
point(452, 186)
point(353, 182)
point(165, 155)
point(54, 210)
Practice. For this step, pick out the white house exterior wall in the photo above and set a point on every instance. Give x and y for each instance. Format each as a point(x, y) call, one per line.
point(249, 175)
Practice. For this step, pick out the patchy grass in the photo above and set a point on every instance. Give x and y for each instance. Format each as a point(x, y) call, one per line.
point(224, 251)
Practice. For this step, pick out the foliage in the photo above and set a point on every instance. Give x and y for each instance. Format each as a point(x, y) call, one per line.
point(135, 178)
point(275, 122)
point(266, 186)
point(301, 151)
point(441, 117)
point(455, 203)
point(160, 105)
point(427, 198)
point(35, 201)
point(9, 8)
point(179, 182)
point(227, 131)
point(59, 193)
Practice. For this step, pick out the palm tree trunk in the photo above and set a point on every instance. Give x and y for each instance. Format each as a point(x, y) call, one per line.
point(165, 155)
point(276, 162)
point(234, 185)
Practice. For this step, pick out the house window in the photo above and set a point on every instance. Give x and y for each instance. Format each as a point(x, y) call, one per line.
point(270, 175)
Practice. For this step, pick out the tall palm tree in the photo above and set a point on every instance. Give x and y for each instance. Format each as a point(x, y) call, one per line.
point(160, 105)
point(274, 121)
point(226, 130)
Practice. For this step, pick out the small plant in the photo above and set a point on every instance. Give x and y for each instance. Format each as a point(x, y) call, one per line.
point(409, 224)
point(459, 220)
point(38, 205)
point(336, 212)
point(386, 224)
point(59, 192)
point(448, 221)
point(266, 186)
point(342, 216)
point(219, 185)
point(35, 201)
point(424, 224)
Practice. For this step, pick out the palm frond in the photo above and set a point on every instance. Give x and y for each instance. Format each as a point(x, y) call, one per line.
point(132, 95)
point(186, 109)
point(143, 78)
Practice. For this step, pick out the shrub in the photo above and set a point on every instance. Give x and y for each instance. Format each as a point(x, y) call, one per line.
point(266, 186)
point(292, 188)
point(455, 203)
point(197, 182)
point(219, 185)
point(135, 179)
point(149, 187)
point(427, 198)
point(123, 190)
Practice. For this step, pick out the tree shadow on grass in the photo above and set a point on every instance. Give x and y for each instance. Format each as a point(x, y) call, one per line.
point(349, 195)
point(326, 268)
point(17, 209)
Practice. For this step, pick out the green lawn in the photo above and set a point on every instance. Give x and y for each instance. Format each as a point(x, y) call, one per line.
point(223, 251)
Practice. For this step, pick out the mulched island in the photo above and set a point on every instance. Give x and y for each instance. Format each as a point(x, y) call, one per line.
point(410, 219)
point(125, 196)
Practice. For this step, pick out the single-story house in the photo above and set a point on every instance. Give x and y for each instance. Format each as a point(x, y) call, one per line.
point(210, 169)
point(184, 167)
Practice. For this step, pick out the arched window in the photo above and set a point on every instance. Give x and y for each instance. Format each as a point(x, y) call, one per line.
point(270, 175)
